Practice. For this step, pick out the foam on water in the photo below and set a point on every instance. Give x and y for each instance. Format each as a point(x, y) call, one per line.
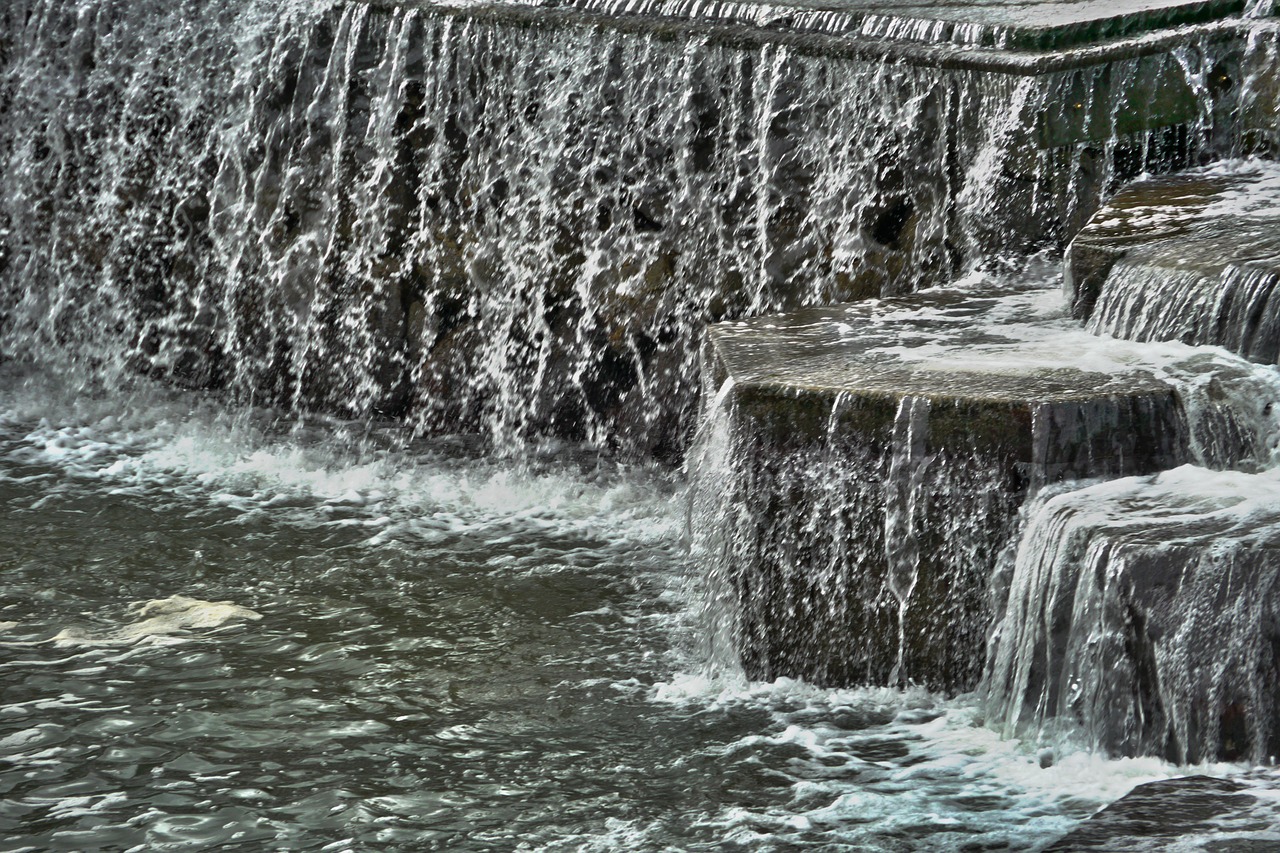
point(871, 764)
point(164, 620)
point(340, 469)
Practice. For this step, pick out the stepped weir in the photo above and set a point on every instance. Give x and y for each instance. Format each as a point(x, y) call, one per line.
point(960, 319)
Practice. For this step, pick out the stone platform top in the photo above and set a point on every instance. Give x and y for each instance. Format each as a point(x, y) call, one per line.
point(1003, 346)
point(1025, 25)
point(1030, 37)
point(1189, 206)
point(1192, 257)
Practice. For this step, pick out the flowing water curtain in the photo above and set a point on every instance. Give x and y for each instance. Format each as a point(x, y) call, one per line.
point(1236, 307)
point(494, 225)
point(1126, 629)
point(630, 190)
point(509, 221)
point(832, 544)
point(108, 138)
point(1259, 96)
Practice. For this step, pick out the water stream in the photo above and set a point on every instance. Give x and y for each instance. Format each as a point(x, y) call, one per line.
point(435, 652)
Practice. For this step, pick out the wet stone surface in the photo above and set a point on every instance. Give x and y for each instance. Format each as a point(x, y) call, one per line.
point(855, 432)
point(1196, 812)
point(912, 346)
point(1033, 25)
point(1187, 234)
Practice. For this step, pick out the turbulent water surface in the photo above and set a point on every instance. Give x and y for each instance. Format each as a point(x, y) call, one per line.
point(422, 650)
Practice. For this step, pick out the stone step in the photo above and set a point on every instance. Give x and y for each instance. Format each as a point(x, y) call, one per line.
point(878, 455)
point(1035, 26)
point(1188, 813)
point(1192, 257)
point(1146, 613)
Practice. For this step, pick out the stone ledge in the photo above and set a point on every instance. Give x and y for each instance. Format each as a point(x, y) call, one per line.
point(858, 430)
point(986, 349)
point(1144, 611)
point(1005, 47)
point(1028, 26)
point(1205, 217)
point(1193, 257)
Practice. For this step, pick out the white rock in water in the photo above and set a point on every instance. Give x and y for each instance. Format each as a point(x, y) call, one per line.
point(179, 613)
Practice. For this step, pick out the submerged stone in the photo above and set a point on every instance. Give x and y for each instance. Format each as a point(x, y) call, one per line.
point(1193, 257)
point(1195, 812)
point(877, 455)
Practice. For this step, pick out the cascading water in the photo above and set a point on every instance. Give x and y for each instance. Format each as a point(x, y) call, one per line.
point(1141, 619)
point(902, 534)
point(480, 224)
point(1138, 615)
point(1193, 261)
point(860, 539)
point(1239, 309)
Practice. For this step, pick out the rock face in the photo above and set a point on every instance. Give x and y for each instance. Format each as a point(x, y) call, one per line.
point(872, 460)
point(516, 220)
point(1193, 257)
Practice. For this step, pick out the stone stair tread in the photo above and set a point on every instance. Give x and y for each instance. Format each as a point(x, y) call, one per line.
point(1204, 220)
point(1008, 345)
point(1184, 203)
point(1028, 25)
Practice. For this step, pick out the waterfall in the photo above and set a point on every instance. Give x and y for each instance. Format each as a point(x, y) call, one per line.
point(515, 222)
point(842, 559)
point(501, 220)
point(1237, 308)
point(1136, 615)
point(1142, 618)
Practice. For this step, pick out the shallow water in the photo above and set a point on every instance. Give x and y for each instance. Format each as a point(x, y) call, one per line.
point(450, 655)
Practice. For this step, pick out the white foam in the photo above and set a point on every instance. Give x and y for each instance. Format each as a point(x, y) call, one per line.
point(158, 438)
